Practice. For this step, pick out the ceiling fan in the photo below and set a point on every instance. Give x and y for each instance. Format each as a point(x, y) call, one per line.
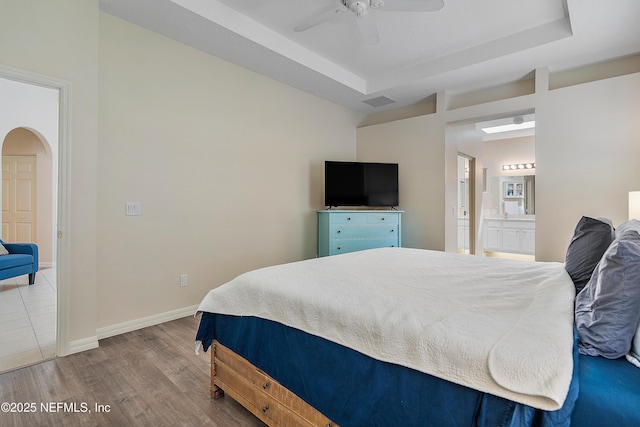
point(366, 23)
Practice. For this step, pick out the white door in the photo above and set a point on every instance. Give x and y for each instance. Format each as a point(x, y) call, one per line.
point(19, 199)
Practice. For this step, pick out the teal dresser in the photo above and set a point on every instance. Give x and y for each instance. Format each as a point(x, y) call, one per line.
point(342, 231)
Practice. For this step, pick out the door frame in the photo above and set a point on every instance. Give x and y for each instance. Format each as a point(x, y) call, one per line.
point(63, 250)
point(471, 201)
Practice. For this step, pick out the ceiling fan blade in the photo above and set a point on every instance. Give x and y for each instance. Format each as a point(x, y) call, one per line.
point(368, 29)
point(318, 19)
point(412, 5)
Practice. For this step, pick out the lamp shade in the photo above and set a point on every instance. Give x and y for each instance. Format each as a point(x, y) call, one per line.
point(634, 204)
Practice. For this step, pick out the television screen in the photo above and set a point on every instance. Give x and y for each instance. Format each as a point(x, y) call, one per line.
point(360, 184)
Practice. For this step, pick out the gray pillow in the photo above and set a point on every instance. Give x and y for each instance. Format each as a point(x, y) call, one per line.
point(632, 224)
point(608, 308)
point(591, 238)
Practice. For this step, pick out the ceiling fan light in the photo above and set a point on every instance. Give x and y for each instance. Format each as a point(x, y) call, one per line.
point(376, 4)
point(358, 7)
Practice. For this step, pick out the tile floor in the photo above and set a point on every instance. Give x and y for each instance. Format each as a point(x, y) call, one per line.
point(27, 319)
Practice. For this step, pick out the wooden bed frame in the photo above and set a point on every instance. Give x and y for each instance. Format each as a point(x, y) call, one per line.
point(263, 396)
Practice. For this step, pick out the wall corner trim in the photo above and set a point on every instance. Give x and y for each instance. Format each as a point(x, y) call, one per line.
point(83, 344)
point(542, 80)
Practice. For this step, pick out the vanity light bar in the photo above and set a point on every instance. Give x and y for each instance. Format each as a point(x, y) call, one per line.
point(519, 166)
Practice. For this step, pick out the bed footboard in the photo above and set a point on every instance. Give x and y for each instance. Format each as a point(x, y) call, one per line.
point(263, 396)
point(216, 392)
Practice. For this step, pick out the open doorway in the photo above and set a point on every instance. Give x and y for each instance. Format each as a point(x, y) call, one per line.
point(509, 198)
point(29, 134)
point(463, 161)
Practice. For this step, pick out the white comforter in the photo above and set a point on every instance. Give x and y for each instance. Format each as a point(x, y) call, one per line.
point(500, 326)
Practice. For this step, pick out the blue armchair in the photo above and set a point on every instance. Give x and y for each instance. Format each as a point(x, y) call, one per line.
point(21, 259)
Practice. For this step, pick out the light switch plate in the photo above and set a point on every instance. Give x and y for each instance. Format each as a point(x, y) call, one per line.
point(132, 209)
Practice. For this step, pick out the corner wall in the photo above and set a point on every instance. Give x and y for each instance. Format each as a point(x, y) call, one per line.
point(587, 158)
point(227, 166)
point(416, 144)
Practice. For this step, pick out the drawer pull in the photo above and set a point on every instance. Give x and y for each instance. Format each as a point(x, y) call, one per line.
point(265, 408)
point(339, 231)
point(393, 231)
point(349, 219)
point(339, 248)
point(265, 385)
point(382, 219)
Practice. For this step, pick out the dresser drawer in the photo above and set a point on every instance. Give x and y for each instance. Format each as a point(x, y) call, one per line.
point(348, 218)
point(340, 231)
point(344, 246)
point(383, 218)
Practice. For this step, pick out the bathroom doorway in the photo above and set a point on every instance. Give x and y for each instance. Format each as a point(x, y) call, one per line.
point(508, 209)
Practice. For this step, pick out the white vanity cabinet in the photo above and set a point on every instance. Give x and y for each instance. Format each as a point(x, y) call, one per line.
point(510, 235)
point(528, 240)
point(463, 233)
point(493, 235)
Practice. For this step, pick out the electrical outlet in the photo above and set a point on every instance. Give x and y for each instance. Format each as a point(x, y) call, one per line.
point(184, 280)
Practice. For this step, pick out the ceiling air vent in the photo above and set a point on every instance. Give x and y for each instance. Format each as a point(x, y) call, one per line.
point(379, 101)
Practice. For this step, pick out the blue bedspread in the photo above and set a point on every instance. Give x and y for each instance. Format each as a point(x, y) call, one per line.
point(609, 393)
point(355, 390)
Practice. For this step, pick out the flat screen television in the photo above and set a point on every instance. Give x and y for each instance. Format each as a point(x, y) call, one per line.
point(360, 184)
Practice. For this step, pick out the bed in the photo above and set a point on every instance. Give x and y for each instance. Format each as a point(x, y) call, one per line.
point(396, 336)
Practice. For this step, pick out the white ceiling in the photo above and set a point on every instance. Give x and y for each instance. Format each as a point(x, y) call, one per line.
point(467, 45)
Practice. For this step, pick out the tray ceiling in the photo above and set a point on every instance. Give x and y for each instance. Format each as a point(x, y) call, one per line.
point(466, 45)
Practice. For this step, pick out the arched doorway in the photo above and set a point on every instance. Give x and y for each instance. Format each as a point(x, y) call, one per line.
point(28, 165)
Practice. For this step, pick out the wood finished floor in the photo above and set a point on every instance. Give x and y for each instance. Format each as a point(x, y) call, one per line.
point(149, 377)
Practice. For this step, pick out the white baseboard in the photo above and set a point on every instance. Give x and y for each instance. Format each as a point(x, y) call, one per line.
point(82, 345)
point(132, 325)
